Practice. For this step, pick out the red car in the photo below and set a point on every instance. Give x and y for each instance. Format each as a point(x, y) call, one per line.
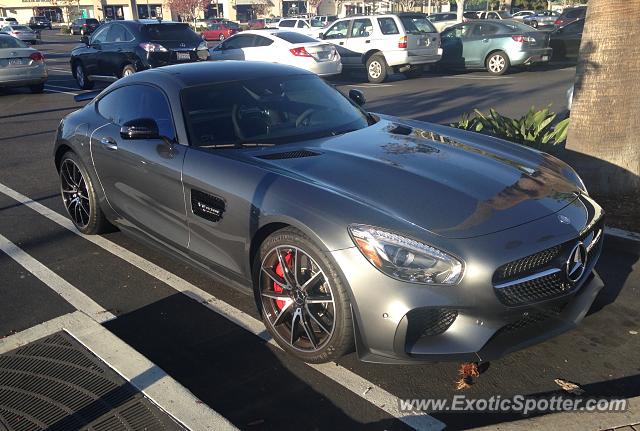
point(220, 30)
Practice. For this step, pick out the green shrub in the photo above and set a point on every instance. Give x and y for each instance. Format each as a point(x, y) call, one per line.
point(535, 128)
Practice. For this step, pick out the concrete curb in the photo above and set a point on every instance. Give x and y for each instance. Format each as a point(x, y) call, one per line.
point(625, 239)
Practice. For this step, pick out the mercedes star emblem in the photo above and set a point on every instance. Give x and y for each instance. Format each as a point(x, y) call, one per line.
point(564, 219)
point(577, 262)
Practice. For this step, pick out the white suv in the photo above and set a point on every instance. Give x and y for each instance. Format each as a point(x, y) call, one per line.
point(402, 42)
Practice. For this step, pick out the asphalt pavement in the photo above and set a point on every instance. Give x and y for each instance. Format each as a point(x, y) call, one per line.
point(179, 319)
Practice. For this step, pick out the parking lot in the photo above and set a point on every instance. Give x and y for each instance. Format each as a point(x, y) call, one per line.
point(208, 337)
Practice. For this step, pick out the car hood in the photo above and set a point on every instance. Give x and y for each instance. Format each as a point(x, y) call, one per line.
point(450, 182)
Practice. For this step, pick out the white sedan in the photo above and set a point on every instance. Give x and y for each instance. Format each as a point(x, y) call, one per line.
point(284, 47)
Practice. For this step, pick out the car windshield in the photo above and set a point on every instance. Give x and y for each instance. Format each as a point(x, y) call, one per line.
point(294, 37)
point(11, 42)
point(515, 26)
point(169, 32)
point(317, 23)
point(231, 24)
point(21, 28)
point(92, 21)
point(267, 111)
point(504, 14)
point(417, 24)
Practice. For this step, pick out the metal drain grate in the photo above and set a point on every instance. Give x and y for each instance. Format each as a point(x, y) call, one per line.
point(55, 384)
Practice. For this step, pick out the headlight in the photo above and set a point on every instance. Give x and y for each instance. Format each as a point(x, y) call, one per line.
point(203, 45)
point(404, 258)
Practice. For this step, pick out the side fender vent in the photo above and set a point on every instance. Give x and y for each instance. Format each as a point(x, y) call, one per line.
point(298, 154)
point(207, 206)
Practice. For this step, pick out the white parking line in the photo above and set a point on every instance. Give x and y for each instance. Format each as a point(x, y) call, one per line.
point(478, 78)
point(59, 70)
point(143, 374)
point(349, 380)
point(62, 92)
point(58, 284)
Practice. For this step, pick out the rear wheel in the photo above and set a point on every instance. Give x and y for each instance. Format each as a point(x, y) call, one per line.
point(81, 77)
point(497, 63)
point(377, 69)
point(303, 301)
point(534, 24)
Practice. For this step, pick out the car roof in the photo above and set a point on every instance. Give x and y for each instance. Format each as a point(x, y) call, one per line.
point(211, 72)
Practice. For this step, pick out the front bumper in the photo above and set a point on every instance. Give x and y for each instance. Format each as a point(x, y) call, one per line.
point(469, 322)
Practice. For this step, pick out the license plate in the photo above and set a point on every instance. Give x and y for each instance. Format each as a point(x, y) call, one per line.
point(16, 62)
point(183, 56)
point(545, 58)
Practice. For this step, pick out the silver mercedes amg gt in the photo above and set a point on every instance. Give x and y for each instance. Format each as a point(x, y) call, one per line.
point(411, 241)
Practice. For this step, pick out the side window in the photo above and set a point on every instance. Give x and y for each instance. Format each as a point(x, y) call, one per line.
point(117, 34)
point(302, 24)
point(388, 26)
point(574, 28)
point(262, 41)
point(137, 101)
point(456, 32)
point(214, 26)
point(101, 35)
point(361, 28)
point(483, 30)
point(287, 23)
point(338, 30)
point(239, 42)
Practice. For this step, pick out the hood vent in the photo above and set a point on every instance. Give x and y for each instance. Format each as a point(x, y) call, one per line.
point(401, 130)
point(298, 154)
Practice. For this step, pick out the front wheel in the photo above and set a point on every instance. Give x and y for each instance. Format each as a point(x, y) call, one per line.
point(128, 69)
point(376, 69)
point(81, 77)
point(79, 196)
point(303, 301)
point(498, 63)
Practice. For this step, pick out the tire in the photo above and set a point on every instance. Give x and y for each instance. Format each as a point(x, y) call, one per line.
point(79, 196)
point(81, 77)
point(534, 24)
point(81, 32)
point(377, 69)
point(497, 63)
point(128, 69)
point(36, 89)
point(313, 341)
point(221, 38)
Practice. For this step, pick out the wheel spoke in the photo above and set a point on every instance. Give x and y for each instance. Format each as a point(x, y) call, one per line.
point(283, 311)
point(310, 283)
point(275, 295)
point(296, 316)
point(308, 330)
point(321, 325)
point(319, 299)
point(276, 278)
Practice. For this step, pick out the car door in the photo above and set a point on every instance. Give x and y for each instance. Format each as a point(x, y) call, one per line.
point(113, 55)
point(261, 50)
point(233, 48)
point(141, 178)
point(337, 35)
point(478, 42)
point(452, 42)
point(572, 35)
point(358, 41)
point(91, 57)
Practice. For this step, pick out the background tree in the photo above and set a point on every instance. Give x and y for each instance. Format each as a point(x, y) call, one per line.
point(188, 9)
point(460, 10)
point(603, 138)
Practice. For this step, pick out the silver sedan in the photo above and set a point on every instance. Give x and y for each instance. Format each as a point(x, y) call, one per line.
point(20, 65)
point(22, 32)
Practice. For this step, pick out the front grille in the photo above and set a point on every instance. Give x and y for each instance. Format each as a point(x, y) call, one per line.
point(428, 322)
point(522, 267)
point(532, 278)
point(533, 318)
point(535, 290)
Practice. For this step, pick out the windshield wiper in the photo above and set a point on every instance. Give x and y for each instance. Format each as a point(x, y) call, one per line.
point(239, 145)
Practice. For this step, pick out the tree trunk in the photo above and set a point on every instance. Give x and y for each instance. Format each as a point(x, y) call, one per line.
point(460, 10)
point(603, 143)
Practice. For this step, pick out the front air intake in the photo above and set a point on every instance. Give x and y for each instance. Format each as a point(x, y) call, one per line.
point(297, 154)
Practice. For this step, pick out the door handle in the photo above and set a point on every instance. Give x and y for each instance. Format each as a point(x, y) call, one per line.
point(109, 143)
point(485, 40)
point(367, 41)
point(341, 43)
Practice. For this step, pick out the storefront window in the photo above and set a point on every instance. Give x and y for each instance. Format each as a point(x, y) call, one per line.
point(152, 11)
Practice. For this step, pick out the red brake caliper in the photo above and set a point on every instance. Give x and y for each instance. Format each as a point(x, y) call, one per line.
point(279, 270)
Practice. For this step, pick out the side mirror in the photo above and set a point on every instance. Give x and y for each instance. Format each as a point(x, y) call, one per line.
point(85, 40)
point(357, 97)
point(143, 128)
point(321, 36)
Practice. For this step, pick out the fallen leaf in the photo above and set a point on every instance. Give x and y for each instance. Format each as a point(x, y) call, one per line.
point(633, 332)
point(570, 387)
